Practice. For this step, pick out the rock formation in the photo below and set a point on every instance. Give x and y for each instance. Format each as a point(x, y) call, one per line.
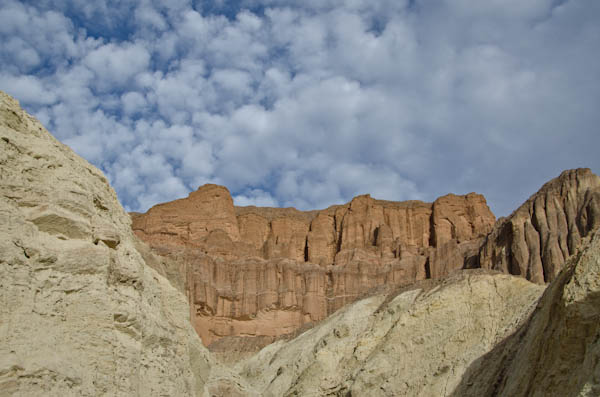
point(85, 309)
point(537, 239)
point(475, 333)
point(80, 312)
point(557, 352)
point(252, 271)
point(417, 343)
point(207, 219)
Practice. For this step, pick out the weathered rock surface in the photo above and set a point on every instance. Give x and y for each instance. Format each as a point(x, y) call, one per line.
point(252, 271)
point(474, 333)
point(80, 312)
point(418, 343)
point(208, 220)
point(536, 240)
point(557, 351)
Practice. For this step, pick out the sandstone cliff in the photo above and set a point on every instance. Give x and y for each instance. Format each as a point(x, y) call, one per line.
point(536, 240)
point(252, 271)
point(80, 312)
point(207, 219)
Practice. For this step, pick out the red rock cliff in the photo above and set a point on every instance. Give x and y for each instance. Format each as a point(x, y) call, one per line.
point(252, 271)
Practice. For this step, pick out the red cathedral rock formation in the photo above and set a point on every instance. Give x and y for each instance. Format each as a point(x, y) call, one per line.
point(252, 271)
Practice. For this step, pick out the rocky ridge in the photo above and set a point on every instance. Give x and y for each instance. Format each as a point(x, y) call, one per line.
point(537, 239)
point(266, 272)
point(80, 312)
point(252, 271)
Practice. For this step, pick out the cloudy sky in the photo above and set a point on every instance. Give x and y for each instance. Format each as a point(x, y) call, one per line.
point(309, 103)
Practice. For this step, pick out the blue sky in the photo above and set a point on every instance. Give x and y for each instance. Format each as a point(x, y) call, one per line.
point(308, 104)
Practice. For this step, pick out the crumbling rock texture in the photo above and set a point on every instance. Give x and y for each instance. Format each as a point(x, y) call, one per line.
point(557, 351)
point(536, 240)
point(80, 312)
point(417, 343)
point(252, 271)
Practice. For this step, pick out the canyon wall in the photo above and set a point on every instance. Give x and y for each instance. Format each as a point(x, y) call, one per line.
point(251, 271)
point(267, 271)
point(80, 312)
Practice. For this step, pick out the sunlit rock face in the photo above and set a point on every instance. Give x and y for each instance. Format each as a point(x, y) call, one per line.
point(81, 314)
point(253, 271)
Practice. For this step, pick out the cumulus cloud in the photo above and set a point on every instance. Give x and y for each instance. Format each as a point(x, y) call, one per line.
point(255, 197)
point(28, 89)
point(115, 65)
point(309, 104)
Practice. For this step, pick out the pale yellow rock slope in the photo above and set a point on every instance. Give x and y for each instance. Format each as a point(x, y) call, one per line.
point(80, 313)
point(419, 343)
point(557, 352)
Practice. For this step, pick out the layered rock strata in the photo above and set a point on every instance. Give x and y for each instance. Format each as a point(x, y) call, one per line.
point(80, 312)
point(536, 240)
point(267, 271)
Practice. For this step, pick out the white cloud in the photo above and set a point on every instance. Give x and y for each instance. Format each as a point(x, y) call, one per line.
point(116, 64)
point(28, 89)
point(255, 197)
point(311, 103)
point(133, 102)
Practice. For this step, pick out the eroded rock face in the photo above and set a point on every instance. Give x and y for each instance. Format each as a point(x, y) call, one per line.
point(474, 333)
point(418, 343)
point(537, 239)
point(557, 352)
point(80, 312)
point(267, 271)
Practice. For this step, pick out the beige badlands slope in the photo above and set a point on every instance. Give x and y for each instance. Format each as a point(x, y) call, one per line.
point(80, 313)
point(419, 343)
point(557, 353)
point(474, 334)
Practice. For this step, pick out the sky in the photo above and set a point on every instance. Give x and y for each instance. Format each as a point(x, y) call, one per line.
point(310, 103)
